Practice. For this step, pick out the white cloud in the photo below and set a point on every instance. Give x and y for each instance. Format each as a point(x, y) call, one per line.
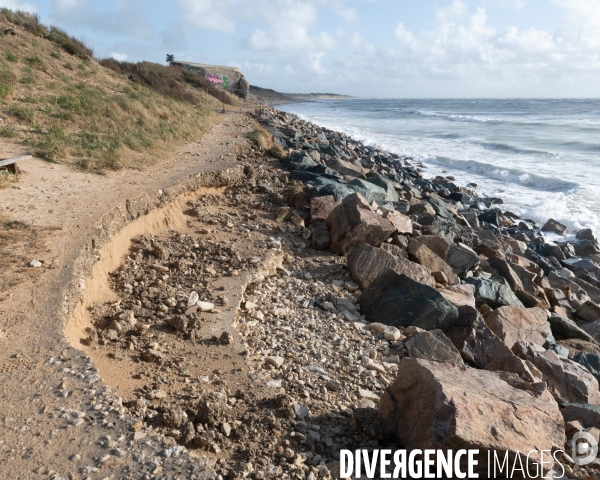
point(121, 57)
point(126, 20)
point(16, 5)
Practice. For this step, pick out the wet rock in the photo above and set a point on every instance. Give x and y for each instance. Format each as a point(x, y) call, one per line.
point(433, 345)
point(365, 263)
point(516, 324)
point(398, 300)
point(493, 293)
point(439, 405)
point(353, 223)
point(554, 227)
point(586, 234)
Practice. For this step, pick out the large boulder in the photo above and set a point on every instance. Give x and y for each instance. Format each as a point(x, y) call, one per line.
point(436, 243)
point(398, 300)
point(365, 263)
point(588, 415)
point(476, 343)
point(384, 183)
point(460, 295)
point(554, 227)
point(433, 345)
point(516, 324)
point(370, 191)
point(567, 328)
point(433, 262)
point(493, 293)
point(568, 381)
point(462, 259)
point(345, 168)
point(434, 405)
point(593, 329)
point(353, 222)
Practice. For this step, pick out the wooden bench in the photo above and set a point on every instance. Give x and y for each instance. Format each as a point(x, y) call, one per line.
point(11, 163)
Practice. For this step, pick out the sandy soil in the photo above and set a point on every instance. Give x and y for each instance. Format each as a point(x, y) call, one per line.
point(40, 374)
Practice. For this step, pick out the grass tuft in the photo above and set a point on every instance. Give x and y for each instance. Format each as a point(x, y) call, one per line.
point(261, 138)
point(11, 57)
point(276, 151)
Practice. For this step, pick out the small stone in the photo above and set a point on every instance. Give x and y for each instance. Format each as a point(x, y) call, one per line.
point(35, 264)
point(276, 361)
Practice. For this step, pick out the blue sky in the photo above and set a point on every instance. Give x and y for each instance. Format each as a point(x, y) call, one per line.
point(370, 48)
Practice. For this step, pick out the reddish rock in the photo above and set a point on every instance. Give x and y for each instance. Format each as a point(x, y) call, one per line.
point(402, 223)
point(321, 207)
point(353, 223)
point(515, 324)
point(460, 295)
point(394, 250)
point(439, 405)
point(433, 262)
point(436, 243)
point(365, 263)
point(568, 381)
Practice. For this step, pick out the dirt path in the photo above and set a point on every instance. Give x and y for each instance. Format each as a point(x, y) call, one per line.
point(45, 383)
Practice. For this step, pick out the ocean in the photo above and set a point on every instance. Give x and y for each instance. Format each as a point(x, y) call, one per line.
point(542, 157)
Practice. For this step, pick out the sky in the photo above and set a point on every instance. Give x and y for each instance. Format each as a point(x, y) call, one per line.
point(366, 48)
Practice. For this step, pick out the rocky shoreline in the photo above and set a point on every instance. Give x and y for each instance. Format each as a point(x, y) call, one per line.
point(405, 313)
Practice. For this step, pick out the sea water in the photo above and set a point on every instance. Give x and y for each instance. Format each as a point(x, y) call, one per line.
point(542, 157)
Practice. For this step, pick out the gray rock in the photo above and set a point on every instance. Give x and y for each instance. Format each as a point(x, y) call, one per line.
point(493, 293)
point(567, 328)
point(586, 234)
point(398, 300)
point(433, 345)
point(588, 415)
point(590, 361)
point(462, 259)
point(440, 206)
point(371, 192)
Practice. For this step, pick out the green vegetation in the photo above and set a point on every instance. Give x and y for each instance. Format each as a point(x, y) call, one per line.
point(171, 82)
point(130, 115)
point(36, 61)
point(8, 131)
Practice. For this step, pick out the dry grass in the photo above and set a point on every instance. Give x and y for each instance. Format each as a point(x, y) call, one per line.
point(169, 81)
point(6, 179)
point(261, 137)
point(64, 106)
